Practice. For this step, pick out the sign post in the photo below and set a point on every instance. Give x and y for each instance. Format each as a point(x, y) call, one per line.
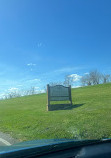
point(58, 93)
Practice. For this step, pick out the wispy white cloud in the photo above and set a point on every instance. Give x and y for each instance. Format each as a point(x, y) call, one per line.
point(31, 64)
point(86, 73)
point(13, 89)
point(75, 77)
point(37, 88)
point(67, 69)
point(42, 91)
point(2, 95)
point(34, 80)
point(20, 85)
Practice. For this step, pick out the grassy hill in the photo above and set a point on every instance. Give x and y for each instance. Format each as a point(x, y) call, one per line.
point(26, 118)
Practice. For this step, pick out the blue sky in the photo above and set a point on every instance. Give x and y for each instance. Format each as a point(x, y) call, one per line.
point(41, 41)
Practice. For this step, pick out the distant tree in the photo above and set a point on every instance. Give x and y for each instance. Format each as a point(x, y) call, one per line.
point(106, 78)
point(85, 80)
point(95, 77)
point(30, 91)
point(55, 83)
point(45, 89)
point(12, 95)
point(68, 80)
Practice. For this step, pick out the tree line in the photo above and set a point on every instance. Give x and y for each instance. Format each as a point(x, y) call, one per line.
point(95, 77)
point(92, 78)
point(16, 94)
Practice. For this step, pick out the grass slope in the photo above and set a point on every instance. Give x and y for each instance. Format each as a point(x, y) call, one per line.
point(26, 118)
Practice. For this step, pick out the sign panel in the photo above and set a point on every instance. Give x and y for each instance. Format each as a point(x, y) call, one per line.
point(59, 93)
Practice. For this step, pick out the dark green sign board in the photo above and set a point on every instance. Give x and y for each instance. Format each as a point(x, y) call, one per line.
point(58, 93)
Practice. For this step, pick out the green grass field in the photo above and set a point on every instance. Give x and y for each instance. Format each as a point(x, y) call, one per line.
point(26, 118)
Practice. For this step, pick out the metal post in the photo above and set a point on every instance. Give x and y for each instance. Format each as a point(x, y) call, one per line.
point(48, 96)
point(70, 94)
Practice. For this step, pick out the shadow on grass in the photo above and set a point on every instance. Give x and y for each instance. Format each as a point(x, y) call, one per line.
point(55, 107)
